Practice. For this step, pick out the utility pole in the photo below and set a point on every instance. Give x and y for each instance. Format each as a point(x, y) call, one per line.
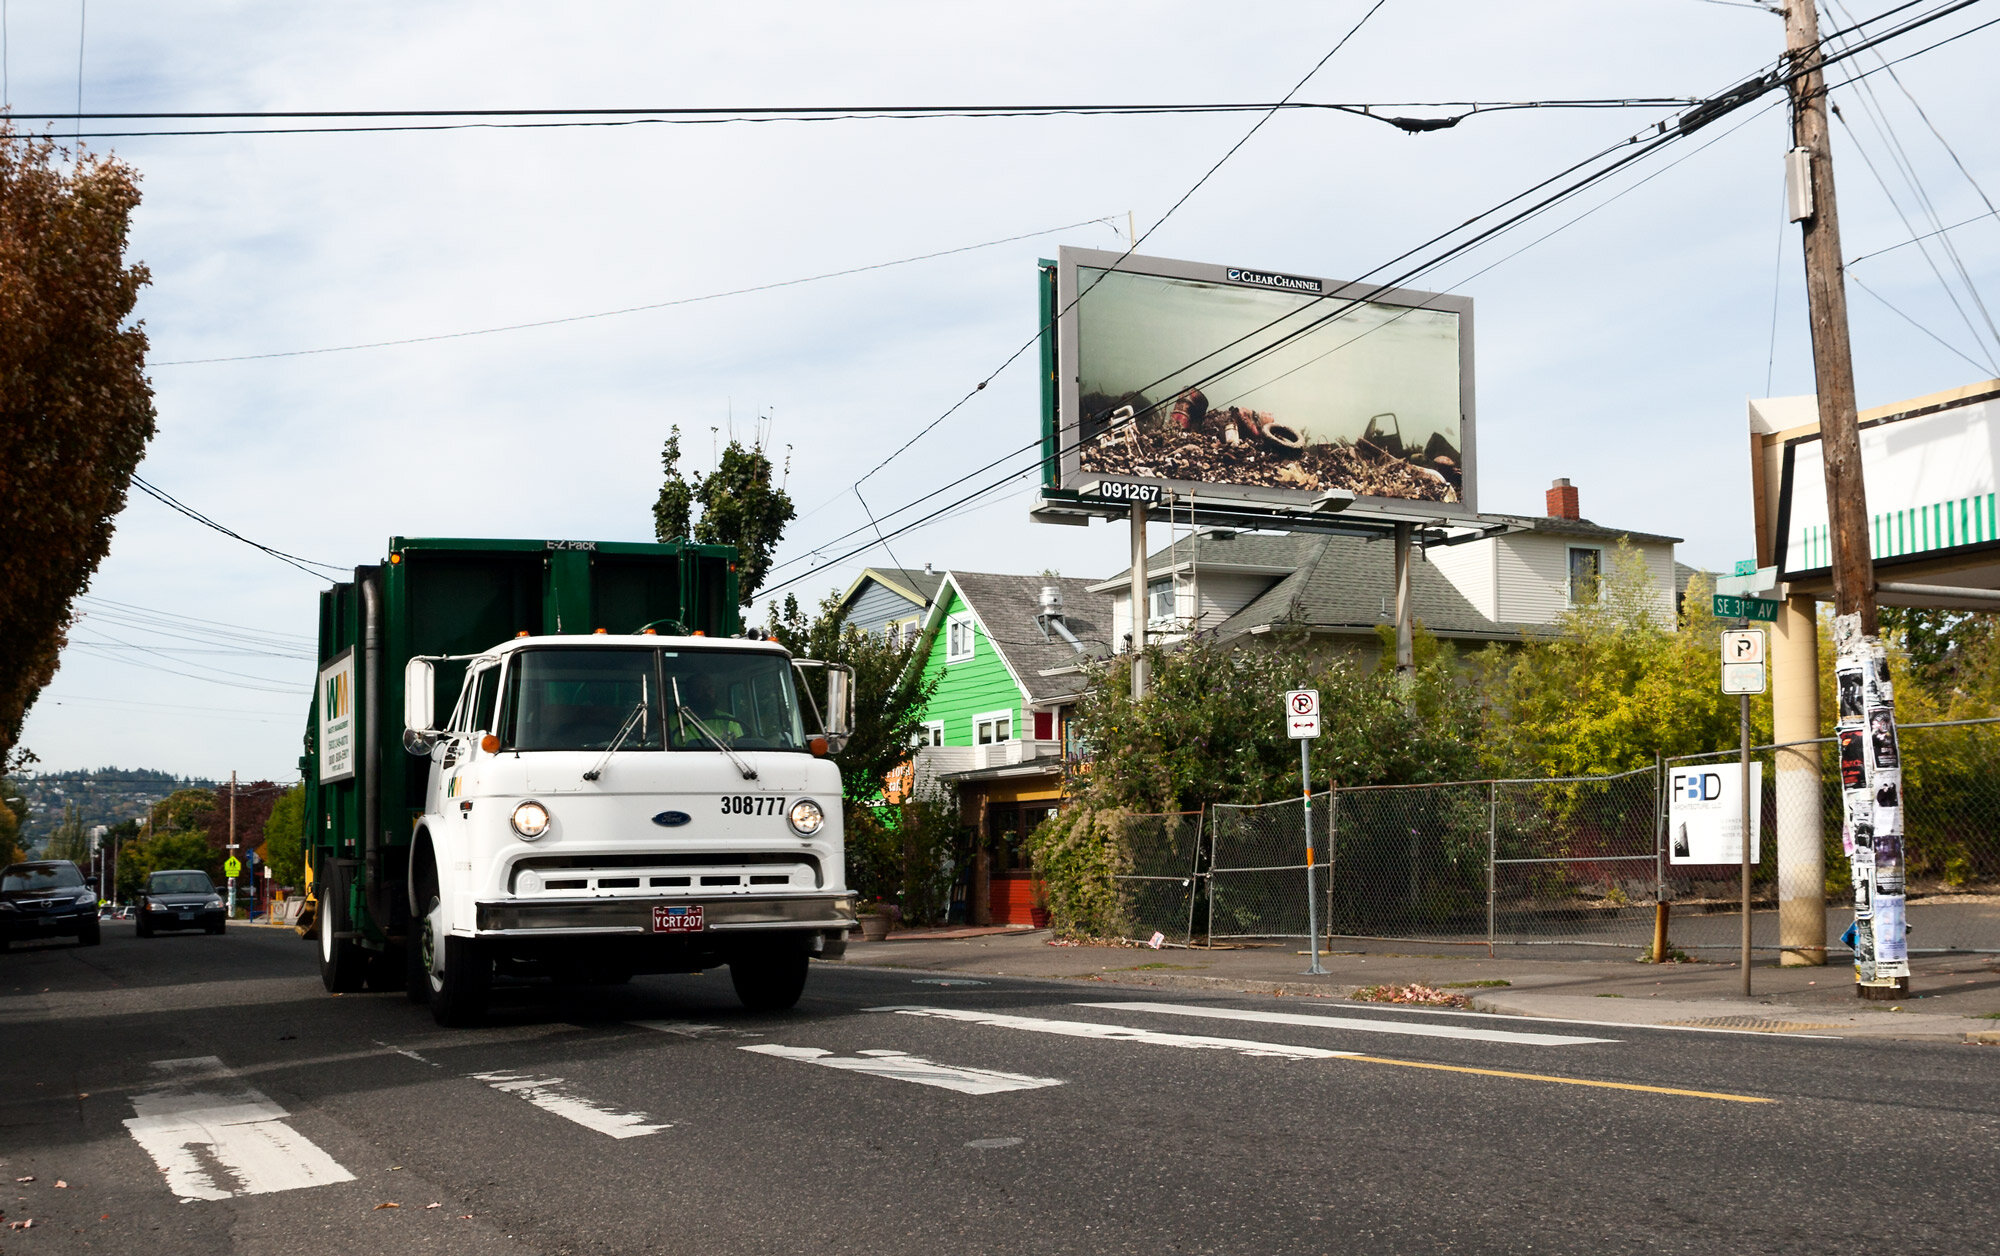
point(1139, 608)
point(232, 841)
point(1406, 661)
point(1855, 622)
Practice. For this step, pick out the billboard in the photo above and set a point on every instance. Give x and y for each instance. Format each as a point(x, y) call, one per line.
point(1250, 384)
point(1930, 480)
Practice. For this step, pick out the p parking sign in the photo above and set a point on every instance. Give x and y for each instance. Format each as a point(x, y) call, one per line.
point(1302, 713)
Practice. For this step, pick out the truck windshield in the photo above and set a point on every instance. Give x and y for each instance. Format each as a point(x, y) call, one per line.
point(581, 699)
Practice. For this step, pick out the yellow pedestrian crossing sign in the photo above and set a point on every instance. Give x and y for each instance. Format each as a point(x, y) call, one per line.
point(232, 867)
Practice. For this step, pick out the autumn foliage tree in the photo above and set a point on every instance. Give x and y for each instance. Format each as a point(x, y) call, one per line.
point(76, 410)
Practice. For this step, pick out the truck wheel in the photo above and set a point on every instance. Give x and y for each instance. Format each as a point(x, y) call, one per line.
point(342, 965)
point(769, 975)
point(459, 972)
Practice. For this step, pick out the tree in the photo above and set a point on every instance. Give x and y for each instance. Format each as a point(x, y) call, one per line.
point(69, 841)
point(13, 810)
point(181, 810)
point(739, 506)
point(284, 837)
point(76, 411)
point(188, 848)
point(1615, 686)
point(889, 693)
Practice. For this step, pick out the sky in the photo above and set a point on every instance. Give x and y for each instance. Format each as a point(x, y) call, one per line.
point(1617, 352)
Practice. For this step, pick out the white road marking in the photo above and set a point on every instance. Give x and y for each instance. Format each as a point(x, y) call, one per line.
point(215, 1138)
point(390, 1046)
point(543, 1092)
point(1123, 1033)
point(694, 1029)
point(903, 1067)
point(1601, 1024)
point(1417, 1029)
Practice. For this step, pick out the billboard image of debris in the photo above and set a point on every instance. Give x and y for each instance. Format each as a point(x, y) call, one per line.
point(1207, 376)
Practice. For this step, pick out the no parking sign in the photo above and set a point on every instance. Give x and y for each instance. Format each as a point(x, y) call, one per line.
point(1302, 713)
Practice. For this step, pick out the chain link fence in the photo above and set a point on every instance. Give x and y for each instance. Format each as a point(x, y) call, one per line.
point(1257, 871)
point(1575, 862)
point(1157, 893)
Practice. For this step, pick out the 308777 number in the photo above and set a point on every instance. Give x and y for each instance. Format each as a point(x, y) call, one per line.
point(751, 805)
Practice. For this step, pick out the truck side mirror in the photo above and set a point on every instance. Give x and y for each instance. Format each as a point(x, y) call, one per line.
point(839, 703)
point(419, 706)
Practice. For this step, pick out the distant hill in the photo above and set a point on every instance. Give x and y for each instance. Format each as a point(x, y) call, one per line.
point(104, 796)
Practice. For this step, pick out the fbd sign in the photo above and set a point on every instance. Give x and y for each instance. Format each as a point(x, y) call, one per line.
point(1705, 814)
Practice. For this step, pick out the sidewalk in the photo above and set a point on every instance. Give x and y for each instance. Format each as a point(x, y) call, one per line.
point(1955, 999)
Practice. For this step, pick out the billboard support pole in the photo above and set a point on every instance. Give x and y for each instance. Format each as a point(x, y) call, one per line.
point(1853, 564)
point(1406, 663)
point(1138, 601)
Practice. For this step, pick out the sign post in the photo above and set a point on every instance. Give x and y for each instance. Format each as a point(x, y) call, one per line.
point(1743, 673)
point(1302, 725)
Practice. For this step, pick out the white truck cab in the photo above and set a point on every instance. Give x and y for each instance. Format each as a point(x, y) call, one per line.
point(599, 806)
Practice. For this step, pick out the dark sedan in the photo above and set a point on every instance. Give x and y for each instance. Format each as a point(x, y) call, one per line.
point(48, 898)
point(181, 899)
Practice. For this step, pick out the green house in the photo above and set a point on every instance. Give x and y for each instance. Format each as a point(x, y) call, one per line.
point(1009, 655)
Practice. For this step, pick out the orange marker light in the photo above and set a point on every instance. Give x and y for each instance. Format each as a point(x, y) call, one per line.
point(520, 634)
point(817, 745)
point(490, 744)
point(600, 632)
point(394, 559)
point(699, 633)
point(652, 632)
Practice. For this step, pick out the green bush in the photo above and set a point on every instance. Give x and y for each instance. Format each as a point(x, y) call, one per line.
point(1079, 853)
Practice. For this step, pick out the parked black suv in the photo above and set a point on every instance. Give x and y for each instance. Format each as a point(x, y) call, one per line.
point(181, 899)
point(45, 899)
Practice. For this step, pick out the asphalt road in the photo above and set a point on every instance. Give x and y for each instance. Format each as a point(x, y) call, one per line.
point(203, 1094)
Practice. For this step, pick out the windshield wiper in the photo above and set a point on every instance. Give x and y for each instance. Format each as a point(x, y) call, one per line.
point(624, 731)
point(749, 773)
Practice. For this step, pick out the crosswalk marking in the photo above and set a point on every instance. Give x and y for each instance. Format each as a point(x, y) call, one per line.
point(903, 1067)
point(214, 1137)
point(1419, 1029)
point(547, 1094)
point(1123, 1033)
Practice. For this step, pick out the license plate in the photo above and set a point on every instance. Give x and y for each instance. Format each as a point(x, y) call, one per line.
point(187, 915)
point(677, 920)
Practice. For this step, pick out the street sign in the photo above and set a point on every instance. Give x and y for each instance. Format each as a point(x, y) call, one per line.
point(1743, 645)
point(232, 867)
point(1727, 607)
point(1302, 713)
point(1746, 566)
point(1743, 661)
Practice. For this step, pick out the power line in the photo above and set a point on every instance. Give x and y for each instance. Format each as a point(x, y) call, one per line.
point(197, 624)
point(1133, 247)
point(1856, 261)
point(303, 564)
point(1898, 312)
point(637, 309)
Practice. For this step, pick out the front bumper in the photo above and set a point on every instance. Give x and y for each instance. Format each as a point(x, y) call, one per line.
point(724, 914)
point(23, 925)
point(199, 918)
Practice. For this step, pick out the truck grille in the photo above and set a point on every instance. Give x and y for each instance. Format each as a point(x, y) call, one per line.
point(615, 876)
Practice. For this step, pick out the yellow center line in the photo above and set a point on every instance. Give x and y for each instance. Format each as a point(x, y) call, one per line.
point(1567, 1081)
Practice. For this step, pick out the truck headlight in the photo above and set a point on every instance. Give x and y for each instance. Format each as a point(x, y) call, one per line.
point(806, 817)
point(530, 820)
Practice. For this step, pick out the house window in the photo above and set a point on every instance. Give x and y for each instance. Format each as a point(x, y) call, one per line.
point(1160, 601)
point(990, 729)
point(958, 639)
point(1586, 572)
point(1045, 726)
point(931, 734)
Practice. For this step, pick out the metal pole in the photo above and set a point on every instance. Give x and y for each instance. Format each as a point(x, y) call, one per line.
point(1660, 908)
point(1492, 853)
point(232, 842)
point(1406, 662)
point(1312, 882)
point(1138, 600)
point(1744, 719)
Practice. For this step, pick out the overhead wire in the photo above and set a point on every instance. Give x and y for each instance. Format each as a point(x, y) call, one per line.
point(303, 564)
point(634, 309)
point(1682, 126)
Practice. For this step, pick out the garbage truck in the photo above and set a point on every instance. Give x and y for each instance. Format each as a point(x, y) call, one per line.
point(567, 761)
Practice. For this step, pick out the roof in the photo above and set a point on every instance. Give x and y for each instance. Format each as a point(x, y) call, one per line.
point(1008, 608)
point(1553, 526)
point(1345, 582)
point(913, 583)
point(1043, 765)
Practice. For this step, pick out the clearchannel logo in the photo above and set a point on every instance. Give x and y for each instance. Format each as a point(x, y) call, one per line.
point(1265, 279)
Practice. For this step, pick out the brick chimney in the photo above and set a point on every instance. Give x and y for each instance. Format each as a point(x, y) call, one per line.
point(1562, 501)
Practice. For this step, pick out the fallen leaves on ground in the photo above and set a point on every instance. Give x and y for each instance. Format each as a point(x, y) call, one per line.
point(61, 1185)
point(380, 1207)
point(29, 1224)
point(1415, 992)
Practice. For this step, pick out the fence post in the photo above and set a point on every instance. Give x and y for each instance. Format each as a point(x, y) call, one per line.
point(1194, 870)
point(1660, 907)
point(1332, 850)
point(1492, 850)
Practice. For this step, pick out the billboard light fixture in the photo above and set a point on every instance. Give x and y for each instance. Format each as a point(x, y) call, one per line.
point(1333, 499)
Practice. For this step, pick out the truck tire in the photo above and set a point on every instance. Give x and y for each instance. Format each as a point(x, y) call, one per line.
point(459, 992)
point(342, 965)
point(769, 973)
